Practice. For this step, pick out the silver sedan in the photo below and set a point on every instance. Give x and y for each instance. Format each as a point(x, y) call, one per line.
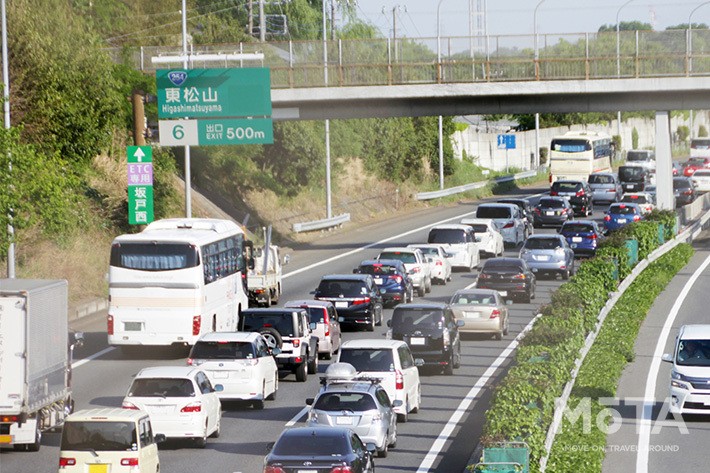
point(482, 311)
point(548, 254)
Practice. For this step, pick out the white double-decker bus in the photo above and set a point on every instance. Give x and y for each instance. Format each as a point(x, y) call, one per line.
point(175, 280)
point(575, 155)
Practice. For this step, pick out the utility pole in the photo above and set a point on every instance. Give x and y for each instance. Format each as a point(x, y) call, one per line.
point(250, 14)
point(332, 20)
point(262, 22)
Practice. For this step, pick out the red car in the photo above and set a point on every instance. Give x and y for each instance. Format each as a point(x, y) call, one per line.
point(694, 164)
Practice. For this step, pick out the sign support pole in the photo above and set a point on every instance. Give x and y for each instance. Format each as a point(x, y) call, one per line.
point(188, 177)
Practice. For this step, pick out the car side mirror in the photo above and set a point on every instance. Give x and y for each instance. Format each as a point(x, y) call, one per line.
point(398, 403)
point(355, 271)
point(389, 323)
point(460, 323)
point(287, 259)
point(78, 339)
point(218, 388)
point(270, 446)
point(667, 357)
point(275, 351)
point(418, 362)
point(370, 447)
point(383, 290)
point(313, 326)
point(309, 401)
point(312, 292)
point(159, 438)
point(509, 302)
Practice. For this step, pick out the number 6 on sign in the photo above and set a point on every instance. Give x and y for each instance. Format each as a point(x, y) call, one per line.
point(178, 132)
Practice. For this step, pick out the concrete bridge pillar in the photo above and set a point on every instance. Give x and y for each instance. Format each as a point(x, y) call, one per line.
point(664, 168)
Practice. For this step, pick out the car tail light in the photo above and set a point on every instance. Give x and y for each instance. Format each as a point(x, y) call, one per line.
point(495, 314)
point(273, 469)
point(129, 405)
point(326, 321)
point(536, 210)
point(9, 419)
point(593, 236)
point(637, 218)
point(688, 192)
point(415, 269)
point(129, 462)
point(193, 407)
point(66, 461)
point(364, 300)
point(109, 324)
point(484, 276)
point(296, 342)
point(446, 335)
point(509, 225)
point(196, 324)
point(190, 362)
point(342, 469)
point(439, 263)
point(580, 193)
point(396, 278)
point(398, 380)
point(519, 276)
point(607, 218)
point(554, 193)
point(550, 178)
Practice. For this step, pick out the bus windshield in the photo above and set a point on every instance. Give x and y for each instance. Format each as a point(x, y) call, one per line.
point(571, 145)
point(154, 256)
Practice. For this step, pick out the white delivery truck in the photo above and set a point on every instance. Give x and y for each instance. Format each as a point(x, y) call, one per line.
point(35, 360)
point(264, 280)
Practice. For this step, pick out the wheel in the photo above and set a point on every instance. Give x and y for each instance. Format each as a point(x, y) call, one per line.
point(218, 430)
point(403, 418)
point(506, 327)
point(383, 453)
point(379, 319)
point(272, 396)
point(393, 443)
point(427, 286)
point(498, 335)
point(527, 297)
point(301, 373)
point(457, 359)
point(532, 293)
point(34, 446)
point(267, 303)
point(277, 295)
point(328, 356)
point(449, 367)
point(565, 274)
point(258, 404)
point(313, 365)
point(272, 337)
point(201, 442)
point(421, 291)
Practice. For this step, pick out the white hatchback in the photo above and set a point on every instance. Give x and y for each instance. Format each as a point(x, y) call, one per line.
point(489, 239)
point(701, 180)
point(459, 242)
point(180, 400)
point(392, 361)
point(439, 265)
point(241, 362)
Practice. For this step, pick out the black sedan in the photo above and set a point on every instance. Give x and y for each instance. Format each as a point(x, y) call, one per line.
point(329, 449)
point(552, 211)
point(511, 277)
point(391, 278)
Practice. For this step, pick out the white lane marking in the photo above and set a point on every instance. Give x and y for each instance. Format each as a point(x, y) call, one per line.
point(89, 358)
point(297, 416)
point(649, 395)
point(455, 418)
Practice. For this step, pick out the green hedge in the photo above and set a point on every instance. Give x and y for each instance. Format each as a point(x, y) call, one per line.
point(523, 403)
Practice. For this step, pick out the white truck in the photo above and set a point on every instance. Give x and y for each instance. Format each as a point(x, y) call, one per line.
point(35, 360)
point(264, 280)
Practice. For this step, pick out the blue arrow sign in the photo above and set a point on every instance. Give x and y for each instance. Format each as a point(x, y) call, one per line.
point(506, 141)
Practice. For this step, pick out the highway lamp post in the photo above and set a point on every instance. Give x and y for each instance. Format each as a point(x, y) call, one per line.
point(690, 54)
point(6, 108)
point(185, 64)
point(440, 73)
point(618, 61)
point(537, 70)
point(328, 201)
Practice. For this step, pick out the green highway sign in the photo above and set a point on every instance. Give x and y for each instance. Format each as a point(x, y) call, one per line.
point(227, 131)
point(210, 93)
point(139, 154)
point(140, 184)
point(140, 205)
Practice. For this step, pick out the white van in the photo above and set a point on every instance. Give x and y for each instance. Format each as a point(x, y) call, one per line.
point(507, 218)
point(459, 242)
point(700, 148)
point(109, 440)
point(689, 388)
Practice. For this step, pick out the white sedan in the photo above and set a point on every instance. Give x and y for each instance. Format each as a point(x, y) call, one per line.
point(643, 199)
point(489, 239)
point(180, 400)
point(440, 264)
point(701, 180)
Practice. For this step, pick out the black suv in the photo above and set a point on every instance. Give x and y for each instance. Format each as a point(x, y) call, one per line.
point(634, 178)
point(431, 331)
point(356, 297)
point(526, 208)
point(579, 194)
point(289, 330)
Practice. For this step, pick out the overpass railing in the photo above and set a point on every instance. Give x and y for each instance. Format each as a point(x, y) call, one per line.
point(385, 61)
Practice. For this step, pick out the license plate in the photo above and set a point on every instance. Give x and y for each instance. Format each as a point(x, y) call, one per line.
point(621, 220)
point(220, 374)
point(133, 326)
point(5, 438)
point(344, 420)
point(341, 304)
point(417, 341)
point(307, 471)
point(159, 409)
point(100, 468)
point(549, 213)
point(378, 281)
point(503, 293)
point(541, 257)
point(629, 186)
point(576, 239)
point(472, 315)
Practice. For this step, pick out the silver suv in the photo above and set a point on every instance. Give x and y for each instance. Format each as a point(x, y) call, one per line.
point(357, 402)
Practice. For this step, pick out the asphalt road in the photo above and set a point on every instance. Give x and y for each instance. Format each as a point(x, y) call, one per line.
point(660, 444)
point(440, 438)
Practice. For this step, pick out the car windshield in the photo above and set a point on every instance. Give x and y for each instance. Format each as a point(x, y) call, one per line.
point(473, 299)
point(636, 199)
point(682, 184)
point(377, 269)
point(161, 387)
point(316, 314)
point(479, 227)
point(341, 288)
point(307, 445)
point(503, 266)
point(368, 359)
point(283, 323)
point(566, 186)
point(99, 436)
point(600, 179)
point(355, 402)
point(550, 204)
point(693, 353)
point(638, 156)
point(631, 173)
point(493, 212)
point(222, 350)
point(404, 320)
point(542, 244)
point(429, 250)
point(406, 257)
point(696, 162)
point(577, 228)
point(700, 144)
point(446, 235)
point(622, 210)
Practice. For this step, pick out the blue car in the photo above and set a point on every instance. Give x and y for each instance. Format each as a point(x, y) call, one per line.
point(583, 236)
point(622, 214)
point(391, 279)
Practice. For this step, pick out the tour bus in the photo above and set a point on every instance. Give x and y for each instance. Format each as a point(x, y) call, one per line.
point(176, 280)
point(576, 155)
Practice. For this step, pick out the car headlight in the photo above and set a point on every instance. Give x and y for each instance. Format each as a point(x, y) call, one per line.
point(679, 381)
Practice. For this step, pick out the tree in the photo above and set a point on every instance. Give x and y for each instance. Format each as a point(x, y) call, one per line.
point(627, 26)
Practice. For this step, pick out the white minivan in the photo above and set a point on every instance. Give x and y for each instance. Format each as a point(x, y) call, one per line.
point(690, 375)
point(109, 439)
point(507, 218)
point(459, 242)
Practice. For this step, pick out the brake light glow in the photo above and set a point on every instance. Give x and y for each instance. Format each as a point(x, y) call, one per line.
point(189, 362)
point(273, 469)
point(6, 419)
point(296, 342)
point(129, 405)
point(519, 276)
point(342, 469)
point(484, 276)
point(193, 407)
point(607, 218)
point(326, 321)
point(593, 236)
point(637, 218)
point(109, 324)
point(415, 269)
point(129, 462)
point(396, 278)
point(398, 380)
point(554, 193)
point(580, 193)
point(66, 461)
point(495, 314)
point(364, 300)
point(196, 324)
point(508, 225)
point(439, 262)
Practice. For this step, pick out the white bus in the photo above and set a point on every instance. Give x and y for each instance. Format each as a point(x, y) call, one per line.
point(175, 280)
point(575, 155)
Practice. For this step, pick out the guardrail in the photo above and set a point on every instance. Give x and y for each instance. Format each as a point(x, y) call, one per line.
point(474, 185)
point(321, 224)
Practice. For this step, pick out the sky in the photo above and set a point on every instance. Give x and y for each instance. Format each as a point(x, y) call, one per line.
point(417, 18)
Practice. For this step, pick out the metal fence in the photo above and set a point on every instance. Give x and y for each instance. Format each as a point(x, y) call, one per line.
point(384, 61)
